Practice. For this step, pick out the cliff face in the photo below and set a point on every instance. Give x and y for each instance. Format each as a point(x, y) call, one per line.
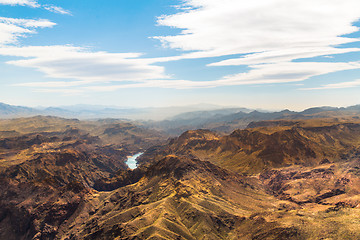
point(44, 180)
point(253, 150)
point(182, 198)
point(275, 182)
point(48, 167)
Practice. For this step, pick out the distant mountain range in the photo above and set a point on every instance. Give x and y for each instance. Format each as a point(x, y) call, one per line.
point(176, 120)
point(83, 111)
point(227, 120)
point(13, 111)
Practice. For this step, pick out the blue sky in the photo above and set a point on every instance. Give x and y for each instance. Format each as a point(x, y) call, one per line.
point(269, 54)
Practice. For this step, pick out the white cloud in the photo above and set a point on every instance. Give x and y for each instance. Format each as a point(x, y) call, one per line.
point(35, 4)
point(54, 84)
point(28, 23)
point(217, 28)
point(285, 55)
point(68, 62)
point(262, 74)
point(80, 65)
point(284, 72)
point(56, 9)
point(30, 3)
point(268, 34)
point(13, 28)
point(350, 84)
point(64, 91)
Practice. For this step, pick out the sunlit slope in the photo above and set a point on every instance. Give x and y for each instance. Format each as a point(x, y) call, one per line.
point(255, 149)
point(181, 198)
point(287, 179)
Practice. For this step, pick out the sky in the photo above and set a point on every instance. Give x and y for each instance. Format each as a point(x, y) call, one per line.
point(268, 54)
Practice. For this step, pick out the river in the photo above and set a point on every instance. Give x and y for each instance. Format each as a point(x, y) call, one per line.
point(131, 161)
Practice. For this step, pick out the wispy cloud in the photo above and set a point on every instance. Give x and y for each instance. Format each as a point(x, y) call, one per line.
point(264, 74)
point(349, 84)
point(268, 34)
point(56, 9)
point(64, 91)
point(218, 28)
point(283, 55)
point(13, 28)
point(69, 62)
point(28, 23)
point(275, 32)
point(54, 84)
point(30, 3)
point(285, 72)
point(80, 65)
point(35, 4)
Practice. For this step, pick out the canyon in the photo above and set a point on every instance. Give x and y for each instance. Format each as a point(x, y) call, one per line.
point(275, 179)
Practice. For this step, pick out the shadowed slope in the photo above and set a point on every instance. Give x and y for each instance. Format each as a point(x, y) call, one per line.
point(74, 185)
point(49, 165)
point(181, 198)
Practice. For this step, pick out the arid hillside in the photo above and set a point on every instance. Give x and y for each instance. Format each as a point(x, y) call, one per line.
point(47, 163)
point(288, 179)
point(283, 143)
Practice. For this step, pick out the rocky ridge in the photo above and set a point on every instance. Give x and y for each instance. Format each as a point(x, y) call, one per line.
point(273, 181)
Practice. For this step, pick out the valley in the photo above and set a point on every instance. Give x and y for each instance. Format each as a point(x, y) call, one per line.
point(275, 179)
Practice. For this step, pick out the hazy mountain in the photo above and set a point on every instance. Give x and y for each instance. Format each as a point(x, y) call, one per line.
point(83, 111)
point(209, 113)
point(181, 118)
point(320, 109)
point(16, 111)
point(227, 120)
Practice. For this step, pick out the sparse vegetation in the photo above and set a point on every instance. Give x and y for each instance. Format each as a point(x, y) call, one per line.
point(66, 179)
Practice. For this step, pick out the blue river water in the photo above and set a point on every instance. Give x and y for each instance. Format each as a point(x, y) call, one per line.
point(131, 161)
